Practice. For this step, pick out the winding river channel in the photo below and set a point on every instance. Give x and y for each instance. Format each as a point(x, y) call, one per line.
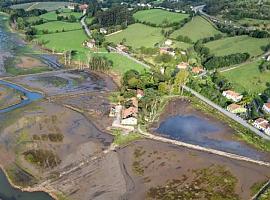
point(9, 43)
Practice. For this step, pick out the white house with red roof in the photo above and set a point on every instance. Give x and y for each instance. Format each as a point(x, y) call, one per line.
point(262, 124)
point(266, 107)
point(182, 65)
point(232, 95)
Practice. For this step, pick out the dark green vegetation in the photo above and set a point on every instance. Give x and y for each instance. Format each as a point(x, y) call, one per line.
point(42, 158)
point(210, 183)
point(52, 137)
point(121, 138)
point(137, 166)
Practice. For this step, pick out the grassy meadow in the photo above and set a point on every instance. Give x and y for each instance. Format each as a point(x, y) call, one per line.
point(138, 35)
point(52, 16)
point(159, 17)
point(59, 26)
point(248, 78)
point(71, 40)
point(196, 29)
point(238, 44)
point(121, 64)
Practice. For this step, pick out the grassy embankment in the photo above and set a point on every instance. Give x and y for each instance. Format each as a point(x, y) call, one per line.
point(196, 29)
point(248, 78)
point(159, 17)
point(121, 139)
point(237, 44)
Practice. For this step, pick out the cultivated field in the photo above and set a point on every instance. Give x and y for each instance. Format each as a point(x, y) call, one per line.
point(239, 44)
point(138, 35)
point(196, 29)
point(248, 78)
point(59, 26)
point(159, 17)
point(49, 6)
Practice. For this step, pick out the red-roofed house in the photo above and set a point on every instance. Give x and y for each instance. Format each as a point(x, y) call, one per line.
point(197, 70)
point(140, 93)
point(129, 112)
point(236, 109)
point(266, 107)
point(182, 65)
point(234, 96)
point(83, 6)
point(261, 124)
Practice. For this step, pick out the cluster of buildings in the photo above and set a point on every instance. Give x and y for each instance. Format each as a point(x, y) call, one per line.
point(125, 117)
point(186, 66)
point(260, 123)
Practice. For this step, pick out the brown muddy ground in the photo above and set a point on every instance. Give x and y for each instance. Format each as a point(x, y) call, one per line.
point(27, 62)
point(95, 105)
point(161, 162)
point(8, 97)
point(63, 83)
point(81, 138)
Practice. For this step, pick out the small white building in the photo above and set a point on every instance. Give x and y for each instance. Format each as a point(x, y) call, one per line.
point(266, 107)
point(90, 44)
point(71, 7)
point(103, 30)
point(168, 42)
point(131, 121)
point(232, 95)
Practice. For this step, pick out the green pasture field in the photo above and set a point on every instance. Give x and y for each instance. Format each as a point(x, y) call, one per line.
point(159, 17)
point(196, 29)
point(181, 45)
point(64, 41)
point(138, 35)
point(52, 16)
point(248, 78)
point(121, 64)
point(54, 26)
point(238, 44)
point(49, 6)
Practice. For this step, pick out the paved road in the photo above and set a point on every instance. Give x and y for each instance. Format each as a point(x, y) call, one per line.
point(214, 19)
point(129, 56)
point(227, 113)
point(85, 27)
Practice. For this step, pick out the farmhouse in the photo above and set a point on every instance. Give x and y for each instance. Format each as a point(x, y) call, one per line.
point(83, 7)
point(121, 48)
point(234, 96)
point(103, 30)
point(182, 65)
point(168, 42)
point(236, 109)
point(71, 6)
point(266, 107)
point(140, 93)
point(166, 50)
point(197, 70)
point(261, 124)
point(90, 44)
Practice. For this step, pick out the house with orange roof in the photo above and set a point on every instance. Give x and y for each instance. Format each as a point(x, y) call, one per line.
point(232, 95)
point(261, 124)
point(236, 109)
point(182, 65)
point(197, 70)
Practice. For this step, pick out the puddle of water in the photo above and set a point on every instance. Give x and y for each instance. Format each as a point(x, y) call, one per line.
point(199, 131)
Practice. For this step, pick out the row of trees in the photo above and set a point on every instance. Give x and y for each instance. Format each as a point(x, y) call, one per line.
point(233, 31)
